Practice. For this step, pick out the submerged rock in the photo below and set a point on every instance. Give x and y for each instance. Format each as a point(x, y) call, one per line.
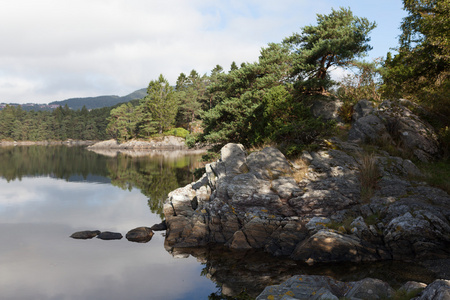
point(140, 235)
point(84, 235)
point(315, 287)
point(324, 287)
point(107, 235)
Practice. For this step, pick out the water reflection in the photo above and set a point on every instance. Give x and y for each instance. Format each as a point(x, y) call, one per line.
point(239, 273)
point(154, 173)
point(38, 213)
point(39, 261)
point(47, 193)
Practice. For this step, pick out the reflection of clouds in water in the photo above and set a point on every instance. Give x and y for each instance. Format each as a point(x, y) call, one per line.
point(45, 262)
point(76, 204)
point(39, 261)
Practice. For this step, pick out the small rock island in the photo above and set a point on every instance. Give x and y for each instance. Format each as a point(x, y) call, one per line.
point(320, 208)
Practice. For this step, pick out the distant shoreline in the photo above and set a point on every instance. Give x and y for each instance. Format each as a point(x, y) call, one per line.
point(47, 143)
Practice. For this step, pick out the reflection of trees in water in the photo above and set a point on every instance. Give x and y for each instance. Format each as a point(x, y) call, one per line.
point(245, 274)
point(56, 161)
point(155, 176)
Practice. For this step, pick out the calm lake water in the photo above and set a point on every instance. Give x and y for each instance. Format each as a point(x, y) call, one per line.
point(48, 193)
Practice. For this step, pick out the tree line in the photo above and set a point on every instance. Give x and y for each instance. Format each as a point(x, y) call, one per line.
point(60, 124)
point(268, 101)
point(255, 103)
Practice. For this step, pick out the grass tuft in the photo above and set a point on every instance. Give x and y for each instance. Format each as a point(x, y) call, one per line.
point(368, 176)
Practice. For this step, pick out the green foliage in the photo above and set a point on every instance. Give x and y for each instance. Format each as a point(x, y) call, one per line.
point(159, 107)
point(123, 122)
point(191, 140)
point(437, 174)
point(240, 113)
point(336, 40)
point(362, 84)
point(60, 124)
point(190, 92)
point(179, 132)
point(421, 69)
point(290, 124)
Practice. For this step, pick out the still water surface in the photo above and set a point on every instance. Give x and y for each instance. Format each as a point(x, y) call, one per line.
point(55, 191)
point(47, 193)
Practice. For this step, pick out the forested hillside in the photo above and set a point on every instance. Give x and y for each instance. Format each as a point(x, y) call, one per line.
point(60, 124)
point(100, 101)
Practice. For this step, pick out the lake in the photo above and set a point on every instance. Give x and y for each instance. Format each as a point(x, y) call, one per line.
point(49, 192)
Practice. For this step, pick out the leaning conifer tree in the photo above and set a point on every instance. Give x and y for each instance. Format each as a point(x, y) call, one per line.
point(336, 40)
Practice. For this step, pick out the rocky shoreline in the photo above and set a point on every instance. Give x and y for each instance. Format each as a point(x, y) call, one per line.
point(47, 143)
point(317, 209)
point(163, 143)
point(254, 201)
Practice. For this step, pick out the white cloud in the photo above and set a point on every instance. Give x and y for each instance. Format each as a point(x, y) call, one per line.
point(53, 49)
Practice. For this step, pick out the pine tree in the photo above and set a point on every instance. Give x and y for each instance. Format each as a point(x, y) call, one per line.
point(336, 40)
point(159, 107)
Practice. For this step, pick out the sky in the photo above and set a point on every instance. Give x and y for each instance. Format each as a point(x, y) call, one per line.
point(58, 49)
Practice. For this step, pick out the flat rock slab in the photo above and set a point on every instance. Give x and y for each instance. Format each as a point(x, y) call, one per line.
point(107, 235)
point(84, 235)
point(140, 235)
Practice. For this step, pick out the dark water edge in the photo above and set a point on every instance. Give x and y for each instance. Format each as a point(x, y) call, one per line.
point(251, 271)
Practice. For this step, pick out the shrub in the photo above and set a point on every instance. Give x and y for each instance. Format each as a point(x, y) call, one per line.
point(179, 132)
point(191, 140)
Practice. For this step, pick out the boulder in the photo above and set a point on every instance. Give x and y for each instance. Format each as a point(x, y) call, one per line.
point(139, 235)
point(327, 110)
point(107, 235)
point(369, 289)
point(367, 129)
point(84, 235)
point(412, 286)
point(437, 290)
point(332, 246)
point(361, 109)
point(233, 157)
point(394, 123)
point(305, 287)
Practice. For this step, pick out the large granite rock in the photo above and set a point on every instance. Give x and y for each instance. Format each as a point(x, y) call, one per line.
point(253, 201)
point(393, 122)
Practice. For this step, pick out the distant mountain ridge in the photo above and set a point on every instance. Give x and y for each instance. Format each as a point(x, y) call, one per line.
point(100, 101)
